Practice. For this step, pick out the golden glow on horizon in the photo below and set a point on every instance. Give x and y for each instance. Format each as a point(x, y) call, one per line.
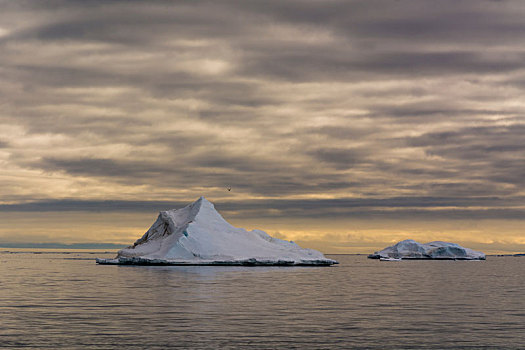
point(341, 236)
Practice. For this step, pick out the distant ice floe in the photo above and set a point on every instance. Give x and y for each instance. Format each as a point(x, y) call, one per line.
point(198, 235)
point(410, 249)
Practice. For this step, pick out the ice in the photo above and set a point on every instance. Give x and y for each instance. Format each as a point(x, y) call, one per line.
point(410, 249)
point(198, 235)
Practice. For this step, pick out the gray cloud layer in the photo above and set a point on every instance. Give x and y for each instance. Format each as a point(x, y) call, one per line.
point(165, 101)
point(387, 208)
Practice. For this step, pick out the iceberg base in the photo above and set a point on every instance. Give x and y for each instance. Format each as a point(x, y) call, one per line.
point(244, 262)
point(376, 256)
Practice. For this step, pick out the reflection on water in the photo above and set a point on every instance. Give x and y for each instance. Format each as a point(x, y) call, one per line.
point(67, 301)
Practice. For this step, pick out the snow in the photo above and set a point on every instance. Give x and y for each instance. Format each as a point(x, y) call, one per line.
point(410, 249)
point(198, 235)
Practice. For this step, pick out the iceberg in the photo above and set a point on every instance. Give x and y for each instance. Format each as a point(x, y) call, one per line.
point(198, 235)
point(410, 249)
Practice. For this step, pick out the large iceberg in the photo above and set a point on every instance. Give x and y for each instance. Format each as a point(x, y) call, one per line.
point(198, 235)
point(410, 249)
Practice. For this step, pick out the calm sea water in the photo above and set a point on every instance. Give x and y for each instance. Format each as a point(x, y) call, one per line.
point(53, 300)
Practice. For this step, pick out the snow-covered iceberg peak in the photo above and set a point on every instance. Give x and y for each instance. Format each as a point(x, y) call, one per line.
point(410, 249)
point(174, 223)
point(198, 235)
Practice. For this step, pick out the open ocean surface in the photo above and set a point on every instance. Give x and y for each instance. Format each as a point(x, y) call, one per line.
point(66, 301)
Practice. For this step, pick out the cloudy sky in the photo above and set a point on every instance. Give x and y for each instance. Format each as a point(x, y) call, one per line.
point(344, 125)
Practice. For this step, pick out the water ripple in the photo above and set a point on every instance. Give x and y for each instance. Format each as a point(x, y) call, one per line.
point(47, 301)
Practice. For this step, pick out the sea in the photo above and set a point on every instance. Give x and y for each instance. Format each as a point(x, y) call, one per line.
point(64, 300)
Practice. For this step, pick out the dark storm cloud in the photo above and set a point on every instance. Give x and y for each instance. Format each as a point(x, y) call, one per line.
point(57, 75)
point(139, 169)
point(134, 23)
point(212, 169)
point(509, 136)
point(342, 133)
point(495, 152)
point(101, 167)
point(405, 20)
point(388, 208)
point(434, 39)
point(340, 158)
point(301, 66)
point(101, 125)
point(370, 99)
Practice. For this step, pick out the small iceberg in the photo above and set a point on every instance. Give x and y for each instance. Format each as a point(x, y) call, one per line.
point(198, 235)
point(410, 249)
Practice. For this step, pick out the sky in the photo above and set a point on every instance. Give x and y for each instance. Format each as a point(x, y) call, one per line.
point(343, 125)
